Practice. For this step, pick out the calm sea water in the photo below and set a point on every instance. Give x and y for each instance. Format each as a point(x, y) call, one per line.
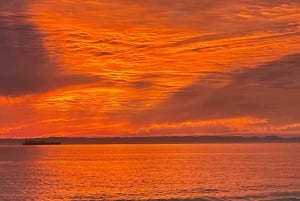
point(150, 172)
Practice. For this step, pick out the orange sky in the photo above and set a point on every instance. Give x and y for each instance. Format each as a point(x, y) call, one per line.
point(149, 67)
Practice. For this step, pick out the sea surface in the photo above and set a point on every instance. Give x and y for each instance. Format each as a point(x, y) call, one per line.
point(150, 172)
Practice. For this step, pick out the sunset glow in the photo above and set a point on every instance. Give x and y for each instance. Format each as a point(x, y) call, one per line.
point(149, 67)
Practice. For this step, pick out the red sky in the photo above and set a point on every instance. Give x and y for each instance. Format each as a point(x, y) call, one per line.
point(149, 67)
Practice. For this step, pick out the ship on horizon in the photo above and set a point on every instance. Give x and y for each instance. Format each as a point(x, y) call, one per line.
point(40, 142)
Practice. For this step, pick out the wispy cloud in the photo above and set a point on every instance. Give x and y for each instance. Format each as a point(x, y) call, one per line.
point(149, 66)
point(25, 66)
point(268, 92)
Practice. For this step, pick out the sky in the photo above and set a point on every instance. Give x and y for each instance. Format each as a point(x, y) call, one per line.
point(149, 67)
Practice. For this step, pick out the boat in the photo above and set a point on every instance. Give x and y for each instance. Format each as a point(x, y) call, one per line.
point(40, 142)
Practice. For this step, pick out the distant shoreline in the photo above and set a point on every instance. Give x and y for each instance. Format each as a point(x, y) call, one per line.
point(161, 140)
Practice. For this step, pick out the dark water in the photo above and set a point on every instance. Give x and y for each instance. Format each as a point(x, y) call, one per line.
point(151, 172)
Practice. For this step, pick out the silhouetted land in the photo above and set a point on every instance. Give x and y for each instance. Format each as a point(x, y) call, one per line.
point(160, 140)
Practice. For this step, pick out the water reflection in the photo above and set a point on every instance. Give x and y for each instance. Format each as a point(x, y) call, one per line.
point(137, 172)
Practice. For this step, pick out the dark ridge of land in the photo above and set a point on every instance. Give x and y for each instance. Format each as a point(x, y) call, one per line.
point(159, 140)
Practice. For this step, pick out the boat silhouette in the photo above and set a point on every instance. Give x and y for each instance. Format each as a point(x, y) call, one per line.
point(40, 142)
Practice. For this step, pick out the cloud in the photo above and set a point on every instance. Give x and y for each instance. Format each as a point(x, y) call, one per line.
point(25, 67)
point(269, 91)
point(179, 47)
point(141, 84)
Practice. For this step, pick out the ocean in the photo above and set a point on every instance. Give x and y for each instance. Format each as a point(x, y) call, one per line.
point(150, 172)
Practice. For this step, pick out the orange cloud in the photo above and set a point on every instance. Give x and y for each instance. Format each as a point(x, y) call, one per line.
point(118, 67)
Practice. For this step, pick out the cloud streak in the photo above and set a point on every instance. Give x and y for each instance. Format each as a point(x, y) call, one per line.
point(184, 67)
point(25, 67)
point(268, 92)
